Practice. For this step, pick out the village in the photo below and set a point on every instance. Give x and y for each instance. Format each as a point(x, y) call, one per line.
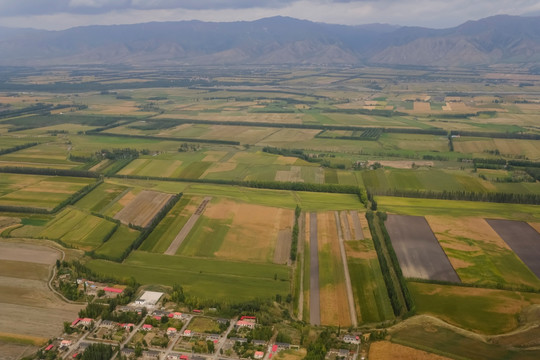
point(157, 332)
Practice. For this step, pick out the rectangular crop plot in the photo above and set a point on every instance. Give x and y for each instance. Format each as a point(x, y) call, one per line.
point(141, 210)
point(522, 238)
point(419, 253)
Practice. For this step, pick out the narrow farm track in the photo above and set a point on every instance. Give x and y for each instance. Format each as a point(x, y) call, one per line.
point(350, 298)
point(314, 295)
point(173, 248)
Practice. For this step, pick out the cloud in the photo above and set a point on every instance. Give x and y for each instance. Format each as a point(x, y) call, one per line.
point(61, 14)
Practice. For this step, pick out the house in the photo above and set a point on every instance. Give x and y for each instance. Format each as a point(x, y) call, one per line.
point(274, 348)
point(173, 356)
point(108, 324)
point(259, 342)
point(240, 340)
point(222, 321)
point(249, 318)
point(258, 355)
point(151, 354)
point(128, 352)
point(160, 313)
point(187, 333)
point(283, 346)
point(343, 353)
point(75, 322)
point(351, 339)
point(197, 311)
point(184, 357)
point(49, 347)
point(212, 337)
point(147, 327)
point(245, 324)
point(157, 317)
point(171, 331)
point(75, 355)
point(86, 321)
point(65, 344)
point(127, 326)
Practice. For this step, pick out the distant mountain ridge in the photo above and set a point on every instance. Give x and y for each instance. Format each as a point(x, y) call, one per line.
point(277, 40)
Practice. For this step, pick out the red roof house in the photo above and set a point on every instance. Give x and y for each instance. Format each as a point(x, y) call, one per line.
point(49, 347)
point(147, 327)
point(113, 290)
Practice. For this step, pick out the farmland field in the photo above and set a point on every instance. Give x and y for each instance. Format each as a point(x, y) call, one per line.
point(419, 253)
point(122, 238)
point(487, 311)
point(143, 208)
point(29, 312)
point(78, 228)
point(478, 254)
point(38, 191)
point(333, 295)
point(522, 238)
point(204, 278)
point(227, 226)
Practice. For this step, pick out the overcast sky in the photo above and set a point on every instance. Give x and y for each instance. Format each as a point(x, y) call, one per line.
point(62, 14)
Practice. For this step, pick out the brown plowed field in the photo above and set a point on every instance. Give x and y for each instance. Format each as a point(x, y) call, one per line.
point(522, 238)
point(419, 253)
point(143, 208)
point(385, 350)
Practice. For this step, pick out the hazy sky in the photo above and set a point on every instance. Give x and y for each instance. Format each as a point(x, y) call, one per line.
point(62, 14)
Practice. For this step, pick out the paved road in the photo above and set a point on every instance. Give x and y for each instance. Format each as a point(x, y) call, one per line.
point(187, 228)
point(314, 295)
point(352, 309)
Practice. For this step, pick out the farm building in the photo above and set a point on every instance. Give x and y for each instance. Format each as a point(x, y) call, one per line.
point(149, 298)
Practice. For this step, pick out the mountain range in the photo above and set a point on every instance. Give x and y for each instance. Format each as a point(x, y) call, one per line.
point(277, 41)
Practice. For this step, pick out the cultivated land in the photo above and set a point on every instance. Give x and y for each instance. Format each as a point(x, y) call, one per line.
point(29, 312)
point(143, 208)
point(419, 253)
point(478, 254)
point(523, 239)
point(259, 143)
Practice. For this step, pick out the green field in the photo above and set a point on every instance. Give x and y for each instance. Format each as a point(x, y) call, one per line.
point(482, 310)
point(101, 198)
point(122, 238)
point(165, 232)
point(421, 207)
point(207, 279)
point(78, 229)
point(367, 282)
point(38, 191)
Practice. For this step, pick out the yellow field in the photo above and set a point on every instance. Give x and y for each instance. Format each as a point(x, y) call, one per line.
point(333, 293)
point(385, 350)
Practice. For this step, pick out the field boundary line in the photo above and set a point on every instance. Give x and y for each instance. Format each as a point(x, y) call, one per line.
point(186, 229)
point(350, 297)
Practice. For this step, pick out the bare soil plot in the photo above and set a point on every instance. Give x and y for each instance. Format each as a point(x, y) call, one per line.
point(11, 351)
point(187, 227)
point(27, 253)
point(385, 350)
point(419, 253)
point(522, 238)
point(293, 175)
point(421, 106)
point(345, 225)
point(358, 233)
point(332, 281)
point(283, 247)
point(141, 210)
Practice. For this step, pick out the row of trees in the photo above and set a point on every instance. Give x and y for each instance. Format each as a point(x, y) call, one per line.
point(295, 231)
